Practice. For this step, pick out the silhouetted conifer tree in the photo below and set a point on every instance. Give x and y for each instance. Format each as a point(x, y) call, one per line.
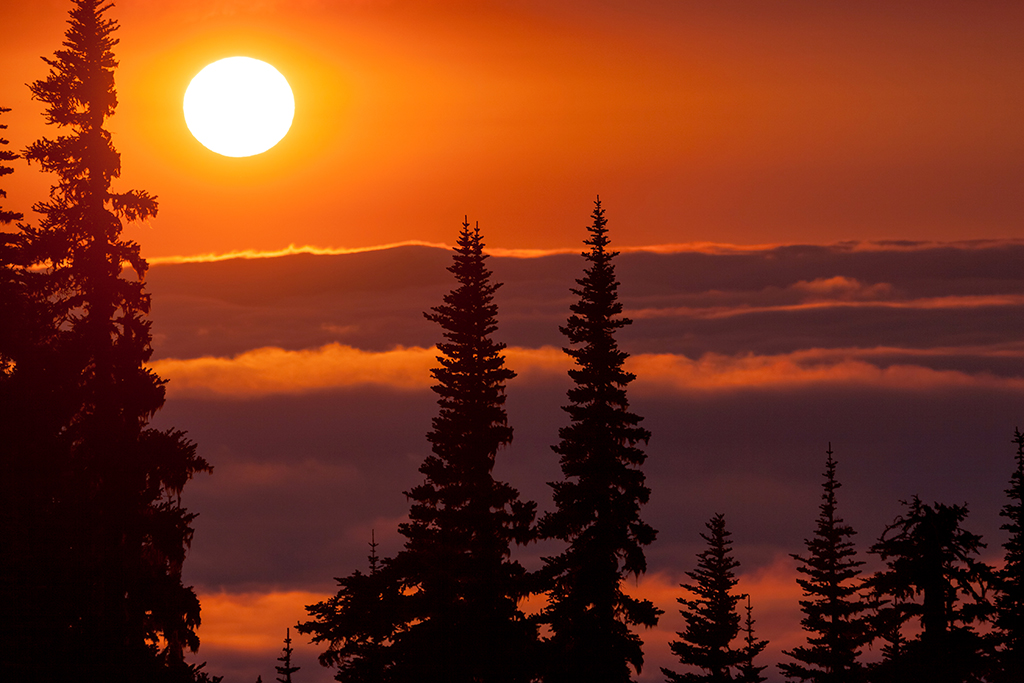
point(97, 488)
point(748, 672)
point(712, 622)
point(358, 625)
point(285, 671)
point(464, 588)
point(930, 558)
point(597, 505)
point(833, 608)
point(455, 616)
point(1009, 619)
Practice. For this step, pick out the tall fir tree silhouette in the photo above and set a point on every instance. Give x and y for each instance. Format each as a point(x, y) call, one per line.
point(1009, 618)
point(833, 610)
point(597, 504)
point(712, 622)
point(932, 574)
point(465, 587)
point(99, 489)
point(285, 670)
point(747, 671)
point(453, 589)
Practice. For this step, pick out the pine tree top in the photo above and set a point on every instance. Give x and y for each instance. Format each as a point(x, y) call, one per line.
point(830, 564)
point(597, 312)
point(832, 604)
point(80, 95)
point(712, 622)
point(714, 576)
point(471, 424)
point(286, 670)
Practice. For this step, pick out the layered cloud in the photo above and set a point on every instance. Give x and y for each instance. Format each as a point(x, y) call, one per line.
point(272, 370)
point(304, 378)
point(765, 302)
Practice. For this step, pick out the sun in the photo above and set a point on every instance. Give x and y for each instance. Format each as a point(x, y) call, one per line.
point(239, 106)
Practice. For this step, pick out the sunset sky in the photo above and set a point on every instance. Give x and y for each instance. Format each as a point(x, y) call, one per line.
point(820, 207)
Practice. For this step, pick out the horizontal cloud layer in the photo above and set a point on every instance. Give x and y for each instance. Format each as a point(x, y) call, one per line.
point(763, 301)
point(272, 370)
point(304, 378)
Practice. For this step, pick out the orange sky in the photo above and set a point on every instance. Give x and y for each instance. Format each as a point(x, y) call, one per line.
point(720, 122)
point(726, 122)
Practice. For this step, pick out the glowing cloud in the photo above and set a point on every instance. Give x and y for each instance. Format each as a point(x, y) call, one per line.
point(272, 370)
point(673, 372)
point(837, 297)
point(252, 621)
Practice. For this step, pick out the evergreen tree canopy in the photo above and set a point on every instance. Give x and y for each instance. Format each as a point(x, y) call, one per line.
point(712, 622)
point(932, 574)
point(1009, 620)
point(832, 607)
point(597, 505)
point(98, 558)
point(358, 624)
point(451, 595)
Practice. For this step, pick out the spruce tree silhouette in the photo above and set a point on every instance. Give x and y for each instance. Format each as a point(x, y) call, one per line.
point(712, 622)
point(930, 558)
point(285, 671)
point(747, 671)
point(1009, 619)
point(358, 625)
point(100, 490)
point(597, 505)
point(452, 593)
point(456, 560)
point(833, 610)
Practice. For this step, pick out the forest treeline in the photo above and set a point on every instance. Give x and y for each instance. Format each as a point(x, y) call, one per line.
point(93, 535)
point(445, 607)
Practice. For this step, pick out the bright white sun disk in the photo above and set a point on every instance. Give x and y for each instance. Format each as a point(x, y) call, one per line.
point(239, 107)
